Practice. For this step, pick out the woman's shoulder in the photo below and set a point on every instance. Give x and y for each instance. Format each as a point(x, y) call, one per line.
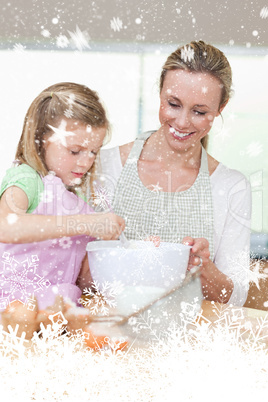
point(220, 172)
point(225, 179)
point(224, 172)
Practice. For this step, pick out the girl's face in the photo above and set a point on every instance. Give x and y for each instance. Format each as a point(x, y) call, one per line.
point(71, 150)
point(189, 102)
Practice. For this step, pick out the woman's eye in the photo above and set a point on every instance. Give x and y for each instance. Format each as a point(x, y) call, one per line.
point(74, 152)
point(199, 113)
point(93, 153)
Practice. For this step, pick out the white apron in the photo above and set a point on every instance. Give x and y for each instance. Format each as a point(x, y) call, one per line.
point(171, 216)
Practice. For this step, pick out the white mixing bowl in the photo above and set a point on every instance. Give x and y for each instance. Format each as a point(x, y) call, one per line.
point(145, 271)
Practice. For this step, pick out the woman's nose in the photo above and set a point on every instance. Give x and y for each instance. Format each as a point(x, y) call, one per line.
point(183, 119)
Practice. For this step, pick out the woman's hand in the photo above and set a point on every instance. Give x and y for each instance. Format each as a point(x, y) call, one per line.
point(199, 255)
point(216, 286)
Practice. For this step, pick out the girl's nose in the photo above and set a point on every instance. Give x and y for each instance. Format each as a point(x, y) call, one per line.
point(86, 160)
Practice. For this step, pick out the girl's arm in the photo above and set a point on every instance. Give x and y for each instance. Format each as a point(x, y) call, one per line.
point(16, 226)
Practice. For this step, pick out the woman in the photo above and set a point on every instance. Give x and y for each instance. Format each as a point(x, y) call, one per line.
point(166, 185)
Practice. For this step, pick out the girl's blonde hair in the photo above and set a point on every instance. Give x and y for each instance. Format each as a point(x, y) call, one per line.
point(62, 100)
point(200, 57)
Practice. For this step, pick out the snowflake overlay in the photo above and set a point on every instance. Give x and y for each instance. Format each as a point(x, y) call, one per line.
point(57, 363)
point(116, 24)
point(19, 48)
point(102, 198)
point(14, 276)
point(254, 149)
point(99, 298)
point(264, 12)
point(62, 41)
point(187, 54)
point(79, 39)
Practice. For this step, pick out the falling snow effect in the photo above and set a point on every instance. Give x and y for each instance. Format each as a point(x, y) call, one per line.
point(244, 275)
point(79, 39)
point(116, 24)
point(257, 272)
point(62, 41)
point(190, 361)
point(264, 12)
point(192, 364)
point(100, 297)
point(254, 149)
point(60, 133)
point(12, 218)
point(19, 48)
point(45, 33)
point(155, 188)
point(102, 198)
point(187, 54)
point(19, 279)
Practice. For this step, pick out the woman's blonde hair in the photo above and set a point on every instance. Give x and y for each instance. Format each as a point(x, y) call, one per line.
point(62, 100)
point(200, 57)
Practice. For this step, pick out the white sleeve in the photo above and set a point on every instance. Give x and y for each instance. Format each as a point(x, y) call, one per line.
point(108, 170)
point(232, 214)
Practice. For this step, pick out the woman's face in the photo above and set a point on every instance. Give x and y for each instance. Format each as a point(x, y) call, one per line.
point(189, 102)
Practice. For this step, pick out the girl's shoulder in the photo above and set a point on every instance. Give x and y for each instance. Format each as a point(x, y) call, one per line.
point(18, 170)
point(26, 178)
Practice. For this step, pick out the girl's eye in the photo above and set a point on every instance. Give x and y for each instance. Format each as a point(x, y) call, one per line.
point(94, 153)
point(172, 104)
point(74, 152)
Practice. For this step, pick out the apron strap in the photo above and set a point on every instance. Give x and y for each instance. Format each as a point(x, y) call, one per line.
point(139, 143)
point(204, 161)
point(137, 147)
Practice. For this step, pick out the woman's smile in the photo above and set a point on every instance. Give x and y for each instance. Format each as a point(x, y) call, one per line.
point(179, 134)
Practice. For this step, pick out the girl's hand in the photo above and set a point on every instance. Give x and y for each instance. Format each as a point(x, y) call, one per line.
point(105, 226)
point(199, 255)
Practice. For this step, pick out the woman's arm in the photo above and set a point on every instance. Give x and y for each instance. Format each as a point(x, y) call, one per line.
point(232, 252)
point(226, 278)
point(216, 286)
point(16, 226)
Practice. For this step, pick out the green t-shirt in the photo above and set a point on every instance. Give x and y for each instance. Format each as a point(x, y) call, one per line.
point(26, 178)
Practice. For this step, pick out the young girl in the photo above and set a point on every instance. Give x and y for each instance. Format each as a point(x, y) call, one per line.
point(45, 223)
